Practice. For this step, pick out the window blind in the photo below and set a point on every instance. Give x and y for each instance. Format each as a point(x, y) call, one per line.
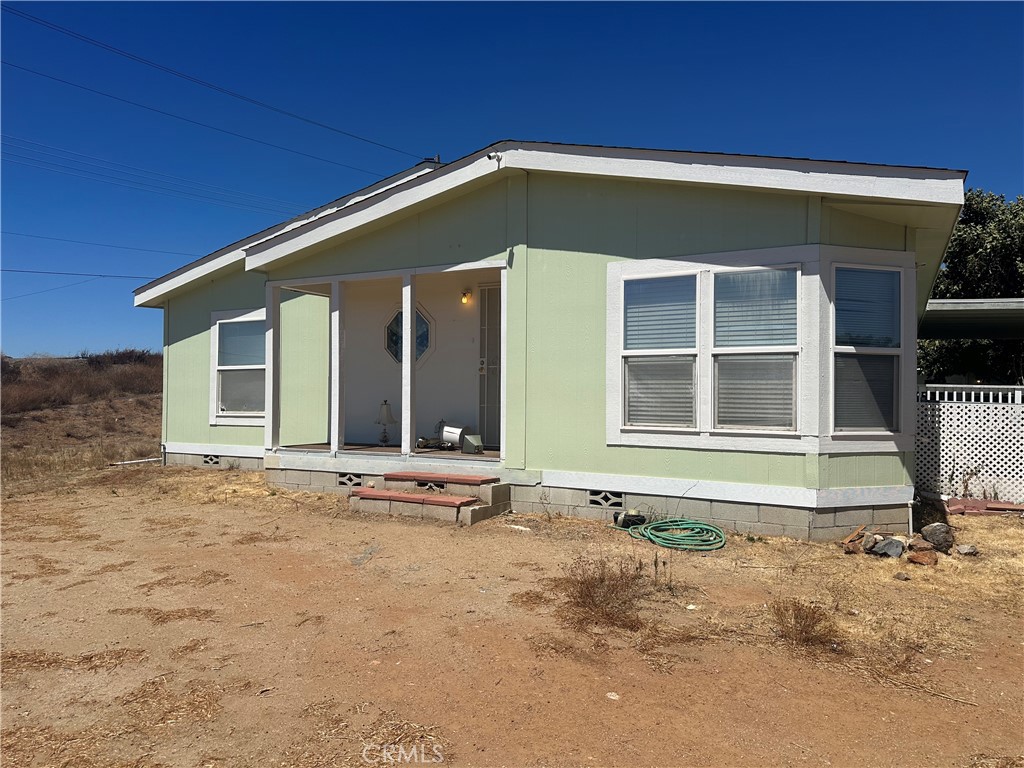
point(754, 391)
point(659, 390)
point(755, 309)
point(867, 308)
point(661, 313)
point(241, 343)
point(866, 393)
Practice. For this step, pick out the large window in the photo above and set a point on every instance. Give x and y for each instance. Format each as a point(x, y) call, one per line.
point(659, 351)
point(238, 367)
point(868, 349)
point(755, 349)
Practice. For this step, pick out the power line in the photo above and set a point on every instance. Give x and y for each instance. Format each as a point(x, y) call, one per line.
point(151, 178)
point(75, 274)
point(189, 120)
point(197, 81)
point(103, 163)
point(47, 290)
point(94, 176)
point(101, 245)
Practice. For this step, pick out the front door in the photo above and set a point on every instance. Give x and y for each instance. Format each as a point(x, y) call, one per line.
point(490, 365)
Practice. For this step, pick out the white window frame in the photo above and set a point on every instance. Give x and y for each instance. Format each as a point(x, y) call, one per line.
point(431, 325)
point(693, 352)
point(897, 352)
point(218, 418)
point(778, 349)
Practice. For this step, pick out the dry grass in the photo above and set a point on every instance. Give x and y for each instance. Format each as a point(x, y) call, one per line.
point(156, 703)
point(531, 599)
point(390, 729)
point(991, 761)
point(112, 567)
point(29, 661)
point(44, 567)
point(69, 749)
point(160, 616)
point(203, 579)
point(194, 645)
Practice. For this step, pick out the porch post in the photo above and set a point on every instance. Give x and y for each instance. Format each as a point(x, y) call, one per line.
point(272, 391)
point(337, 409)
point(504, 366)
point(408, 363)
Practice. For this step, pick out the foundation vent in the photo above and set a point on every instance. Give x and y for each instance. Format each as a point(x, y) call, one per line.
point(605, 499)
point(431, 485)
point(348, 480)
point(211, 461)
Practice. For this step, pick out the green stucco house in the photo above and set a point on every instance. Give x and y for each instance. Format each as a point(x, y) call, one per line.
point(724, 337)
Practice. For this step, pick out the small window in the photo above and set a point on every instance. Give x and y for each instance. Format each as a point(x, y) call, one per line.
point(660, 318)
point(868, 349)
point(238, 367)
point(393, 336)
point(755, 355)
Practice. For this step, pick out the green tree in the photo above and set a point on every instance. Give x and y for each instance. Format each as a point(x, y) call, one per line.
point(985, 260)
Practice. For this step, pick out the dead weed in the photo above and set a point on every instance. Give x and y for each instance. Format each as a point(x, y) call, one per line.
point(160, 616)
point(805, 624)
point(203, 579)
point(29, 661)
point(600, 592)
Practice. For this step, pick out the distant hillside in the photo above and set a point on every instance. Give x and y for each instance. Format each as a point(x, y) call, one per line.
point(34, 383)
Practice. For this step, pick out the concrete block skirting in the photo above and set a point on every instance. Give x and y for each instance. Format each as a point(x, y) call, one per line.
point(246, 463)
point(756, 519)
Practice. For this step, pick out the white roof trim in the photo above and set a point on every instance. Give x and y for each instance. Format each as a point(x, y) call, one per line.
point(819, 177)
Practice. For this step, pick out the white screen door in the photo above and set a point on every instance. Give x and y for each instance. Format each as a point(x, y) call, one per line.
point(490, 365)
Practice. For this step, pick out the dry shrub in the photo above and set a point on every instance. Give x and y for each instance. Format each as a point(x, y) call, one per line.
point(159, 616)
point(805, 624)
point(604, 593)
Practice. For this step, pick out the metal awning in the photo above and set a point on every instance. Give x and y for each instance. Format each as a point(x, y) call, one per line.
point(973, 319)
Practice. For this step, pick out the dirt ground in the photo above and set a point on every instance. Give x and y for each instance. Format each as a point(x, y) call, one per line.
point(157, 616)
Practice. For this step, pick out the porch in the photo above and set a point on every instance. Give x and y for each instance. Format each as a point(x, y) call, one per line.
point(346, 394)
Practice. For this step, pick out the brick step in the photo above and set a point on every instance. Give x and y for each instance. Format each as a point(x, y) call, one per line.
point(440, 477)
point(435, 499)
point(460, 510)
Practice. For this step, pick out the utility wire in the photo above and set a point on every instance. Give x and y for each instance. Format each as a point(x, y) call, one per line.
point(47, 290)
point(75, 274)
point(197, 81)
point(93, 176)
point(189, 120)
point(147, 181)
point(101, 245)
point(16, 141)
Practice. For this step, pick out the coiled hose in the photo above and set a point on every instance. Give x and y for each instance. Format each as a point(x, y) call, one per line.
point(680, 533)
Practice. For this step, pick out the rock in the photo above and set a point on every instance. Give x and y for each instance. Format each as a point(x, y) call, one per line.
point(853, 548)
point(918, 544)
point(967, 549)
point(902, 540)
point(888, 547)
point(925, 557)
point(901, 576)
point(868, 542)
point(940, 535)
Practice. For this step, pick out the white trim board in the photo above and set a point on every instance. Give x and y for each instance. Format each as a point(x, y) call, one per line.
point(744, 493)
point(215, 449)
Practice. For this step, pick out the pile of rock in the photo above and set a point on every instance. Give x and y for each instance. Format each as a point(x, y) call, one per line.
point(922, 549)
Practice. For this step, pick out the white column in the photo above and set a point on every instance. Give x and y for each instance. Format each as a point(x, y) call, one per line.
point(504, 359)
point(272, 393)
point(408, 363)
point(337, 409)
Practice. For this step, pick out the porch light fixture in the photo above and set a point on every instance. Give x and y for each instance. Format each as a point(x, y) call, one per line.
point(386, 419)
point(466, 296)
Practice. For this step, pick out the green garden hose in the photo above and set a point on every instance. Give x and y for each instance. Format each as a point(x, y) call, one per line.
point(679, 533)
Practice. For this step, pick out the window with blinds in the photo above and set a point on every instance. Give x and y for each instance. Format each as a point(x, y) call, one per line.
point(660, 318)
point(755, 349)
point(868, 349)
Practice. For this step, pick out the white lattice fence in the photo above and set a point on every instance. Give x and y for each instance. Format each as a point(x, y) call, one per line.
point(974, 434)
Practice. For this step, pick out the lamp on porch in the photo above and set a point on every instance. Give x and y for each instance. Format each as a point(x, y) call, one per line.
point(386, 419)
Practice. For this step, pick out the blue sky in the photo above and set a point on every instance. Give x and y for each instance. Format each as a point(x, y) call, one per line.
point(918, 84)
